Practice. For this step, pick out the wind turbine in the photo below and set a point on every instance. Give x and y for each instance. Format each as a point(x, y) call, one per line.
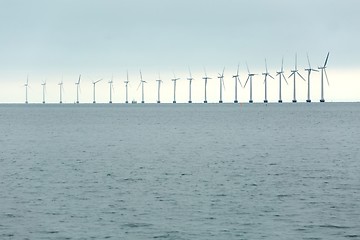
point(293, 73)
point(111, 88)
point(142, 87)
point(61, 88)
point(221, 77)
point(44, 89)
point(206, 79)
point(250, 76)
point(126, 87)
point(190, 81)
point(322, 77)
point(237, 79)
point(281, 75)
point(174, 80)
point(309, 70)
point(94, 83)
point(159, 81)
point(266, 74)
point(26, 89)
point(77, 89)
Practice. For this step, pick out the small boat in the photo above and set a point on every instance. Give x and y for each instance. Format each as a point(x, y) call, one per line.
point(133, 101)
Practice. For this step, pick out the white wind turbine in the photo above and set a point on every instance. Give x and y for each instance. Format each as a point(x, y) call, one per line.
point(293, 73)
point(266, 74)
point(175, 80)
point(26, 85)
point(281, 75)
point(61, 88)
point(142, 87)
point(237, 79)
point(94, 84)
point(250, 76)
point(322, 77)
point(126, 87)
point(309, 70)
point(111, 88)
point(190, 82)
point(206, 79)
point(77, 89)
point(43, 90)
point(159, 81)
point(221, 78)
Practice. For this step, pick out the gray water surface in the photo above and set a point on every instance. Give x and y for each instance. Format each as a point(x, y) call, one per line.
point(276, 171)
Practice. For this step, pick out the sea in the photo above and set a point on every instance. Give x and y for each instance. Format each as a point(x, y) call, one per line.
point(180, 171)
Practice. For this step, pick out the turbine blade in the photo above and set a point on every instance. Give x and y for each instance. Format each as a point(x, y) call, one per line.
point(223, 82)
point(79, 79)
point(247, 68)
point(271, 76)
point(307, 55)
point(246, 81)
point(141, 76)
point(295, 61)
point(127, 75)
point(285, 79)
point(223, 72)
point(326, 77)
point(237, 72)
point(205, 72)
point(190, 72)
point(291, 74)
point(139, 85)
point(327, 57)
point(282, 64)
point(301, 76)
point(239, 81)
point(266, 66)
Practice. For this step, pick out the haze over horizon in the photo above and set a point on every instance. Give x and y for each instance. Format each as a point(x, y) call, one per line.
point(100, 39)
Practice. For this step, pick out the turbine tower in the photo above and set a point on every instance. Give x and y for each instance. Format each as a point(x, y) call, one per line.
point(61, 88)
point(126, 87)
point(94, 83)
point(322, 77)
point(250, 76)
point(77, 89)
point(44, 89)
point(206, 79)
point(26, 89)
point(190, 81)
point(174, 80)
point(309, 70)
point(293, 73)
point(221, 78)
point(237, 79)
point(111, 88)
point(142, 87)
point(159, 81)
point(281, 75)
point(266, 74)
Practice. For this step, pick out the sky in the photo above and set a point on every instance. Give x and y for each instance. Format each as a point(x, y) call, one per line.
point(58, 40)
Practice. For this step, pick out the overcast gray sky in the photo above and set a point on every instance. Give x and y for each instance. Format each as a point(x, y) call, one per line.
point(96, 37)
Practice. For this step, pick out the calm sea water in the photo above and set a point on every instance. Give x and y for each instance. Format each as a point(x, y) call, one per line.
point(289, 171)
